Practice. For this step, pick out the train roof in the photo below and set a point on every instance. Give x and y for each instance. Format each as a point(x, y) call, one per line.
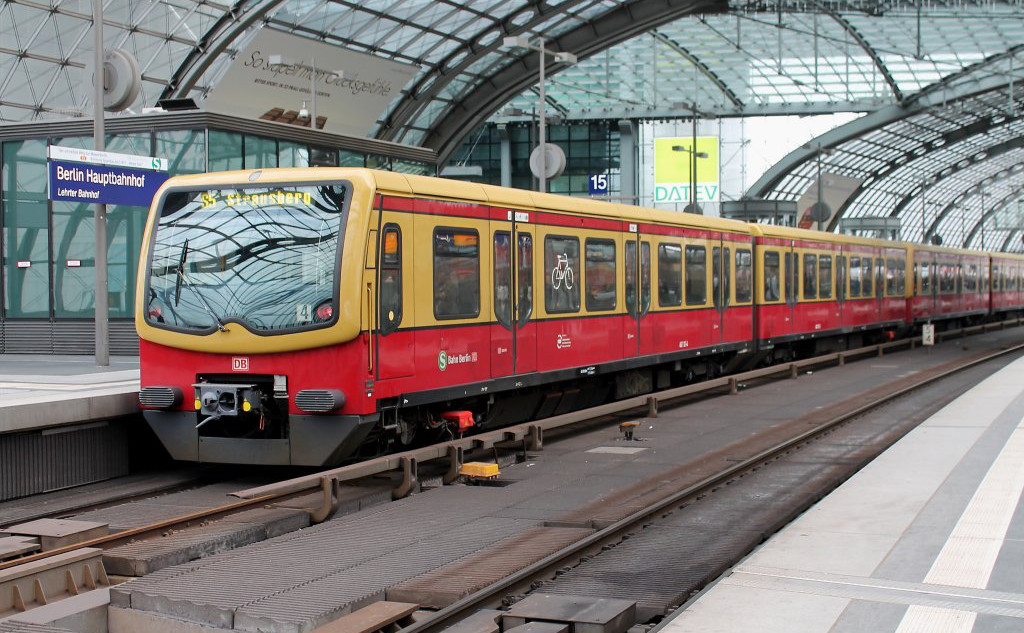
point(790, 233)
point(524, 199)
point(442, 188)
point(413, 184)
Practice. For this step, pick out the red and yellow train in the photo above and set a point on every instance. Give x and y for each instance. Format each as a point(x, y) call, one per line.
point(312, 316)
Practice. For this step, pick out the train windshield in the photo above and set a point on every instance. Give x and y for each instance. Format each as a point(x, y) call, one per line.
point(266, 257)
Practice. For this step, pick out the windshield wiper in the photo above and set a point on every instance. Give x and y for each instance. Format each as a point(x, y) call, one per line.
point(182, 278)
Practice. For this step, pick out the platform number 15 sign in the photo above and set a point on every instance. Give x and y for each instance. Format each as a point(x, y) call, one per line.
point(598, 184)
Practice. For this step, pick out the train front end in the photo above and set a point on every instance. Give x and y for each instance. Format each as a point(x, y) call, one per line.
point(249, 313)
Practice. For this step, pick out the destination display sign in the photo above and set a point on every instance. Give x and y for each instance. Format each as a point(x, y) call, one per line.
point(58, 152)
point(77, 175)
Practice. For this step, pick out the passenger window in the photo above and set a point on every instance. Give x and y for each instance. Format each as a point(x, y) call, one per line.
point(810, 276)
point(890, 277)
point(869, 277)
point(561, 263)
point(855, 277)
point(926, 279)
point(600, 272)
point(390, 279)
point(825, 277)
point(901, 277)
point(503, 278)
point(524, 280)
point(670, 275)
point(745, 275)
point(456, 274)
point(772, 290)
point(948, 279)
point(696, 275)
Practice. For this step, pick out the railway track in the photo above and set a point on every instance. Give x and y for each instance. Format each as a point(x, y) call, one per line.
point(537, 576)
point(530, 436)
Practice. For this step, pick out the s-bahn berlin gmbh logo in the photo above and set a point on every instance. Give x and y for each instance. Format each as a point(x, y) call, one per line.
point(444, 359)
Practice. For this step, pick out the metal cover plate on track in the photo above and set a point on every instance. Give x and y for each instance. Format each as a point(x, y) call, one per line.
point(617, 450)
point(586, 614)
point(11, 546)
point(56, 533)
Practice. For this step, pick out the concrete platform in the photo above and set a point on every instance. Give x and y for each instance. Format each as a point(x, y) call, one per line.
point(296, 582)
point(38, 391)
point(928, 537)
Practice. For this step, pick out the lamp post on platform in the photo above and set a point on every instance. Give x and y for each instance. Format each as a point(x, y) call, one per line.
point(99, 215)
point(694, 155)
point(521, 41)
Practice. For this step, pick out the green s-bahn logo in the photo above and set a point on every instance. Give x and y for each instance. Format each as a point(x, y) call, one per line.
point(442, 360)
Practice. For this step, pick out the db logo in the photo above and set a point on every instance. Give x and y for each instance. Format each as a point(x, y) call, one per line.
point(239, 363)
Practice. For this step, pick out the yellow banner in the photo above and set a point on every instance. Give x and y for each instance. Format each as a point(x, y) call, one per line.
point(672, 178)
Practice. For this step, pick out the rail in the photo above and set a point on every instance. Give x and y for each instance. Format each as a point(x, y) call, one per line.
point(522, 580)
point(530, 434)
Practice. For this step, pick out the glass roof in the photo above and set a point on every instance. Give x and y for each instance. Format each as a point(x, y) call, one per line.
point(637, 59)
point(754, 60)
point(746, 57)
point(938, 171)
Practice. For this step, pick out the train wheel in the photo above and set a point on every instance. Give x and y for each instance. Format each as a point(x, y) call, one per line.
point(406, 432)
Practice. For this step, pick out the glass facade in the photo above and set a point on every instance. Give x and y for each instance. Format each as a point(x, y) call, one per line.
point(25, 230)
point(47, 249)
point(591, 147)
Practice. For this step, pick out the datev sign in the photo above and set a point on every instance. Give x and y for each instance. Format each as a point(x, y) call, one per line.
point(672, 169)
point(81, 175)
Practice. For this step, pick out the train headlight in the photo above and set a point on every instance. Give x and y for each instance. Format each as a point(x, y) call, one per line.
point(324, 311)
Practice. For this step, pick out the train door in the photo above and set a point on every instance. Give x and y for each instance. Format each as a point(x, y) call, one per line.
point(929, 283)
point(514, 338)
point(638, 330)
point(841, 263)
point(525, 326)
point(791, 262)
point(880, 284)
point(503, 347)
point(631, 275)
point(721, 282)
point(393, 313)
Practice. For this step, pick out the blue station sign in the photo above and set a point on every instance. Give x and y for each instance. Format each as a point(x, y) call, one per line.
point(104, 177)
point(597, 184)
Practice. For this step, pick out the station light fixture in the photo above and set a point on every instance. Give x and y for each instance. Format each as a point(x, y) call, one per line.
point(522, 41)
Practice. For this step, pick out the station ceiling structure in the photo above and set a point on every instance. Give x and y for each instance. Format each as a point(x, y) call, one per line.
point(939, 81)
